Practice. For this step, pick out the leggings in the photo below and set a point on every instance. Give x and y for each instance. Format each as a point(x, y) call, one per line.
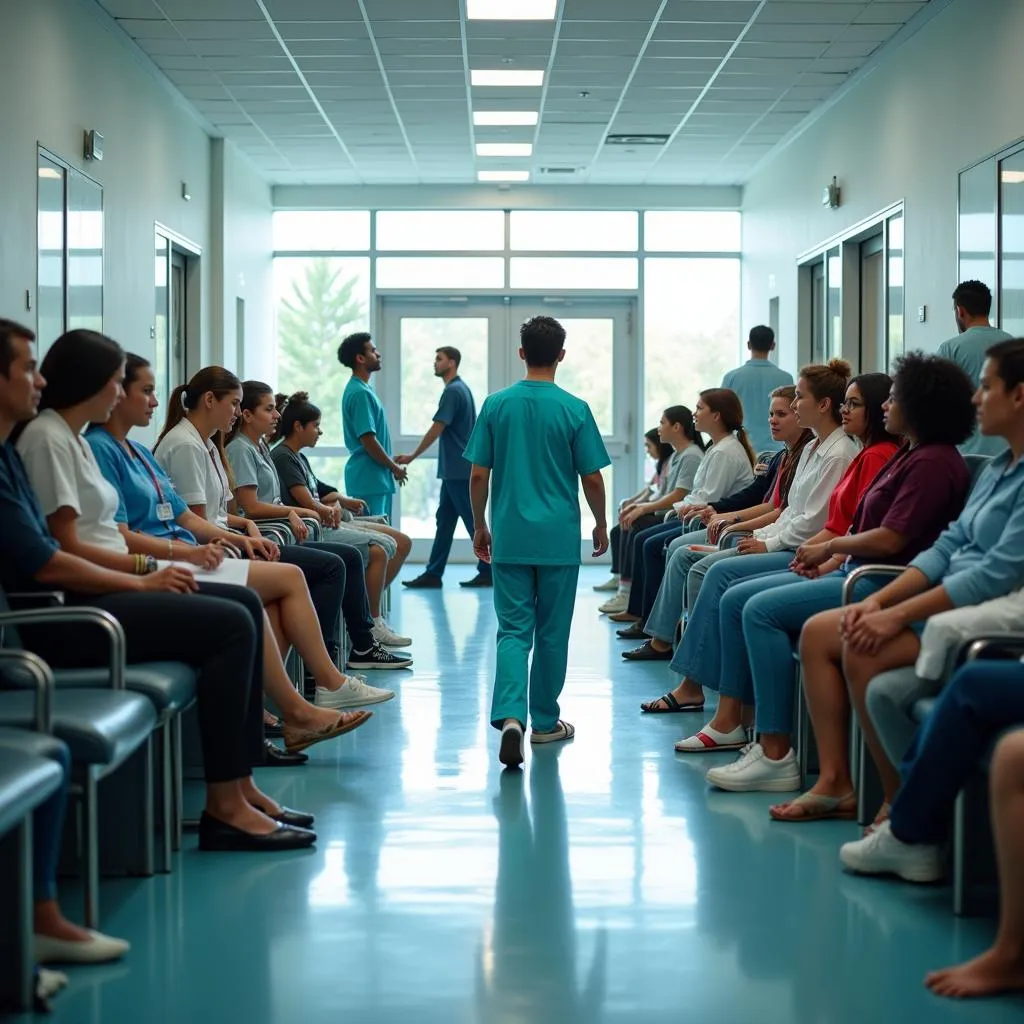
point(216, 636)
point(326, 575)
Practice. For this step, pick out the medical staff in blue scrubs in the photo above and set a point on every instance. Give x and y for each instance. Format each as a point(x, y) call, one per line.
point(531, 443)
point(370, 473)
point(754, 382)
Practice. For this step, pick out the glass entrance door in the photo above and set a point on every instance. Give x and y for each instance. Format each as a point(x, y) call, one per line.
point(486, 332)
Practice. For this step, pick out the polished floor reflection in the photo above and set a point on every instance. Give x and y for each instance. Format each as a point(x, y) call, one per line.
point(603, 883)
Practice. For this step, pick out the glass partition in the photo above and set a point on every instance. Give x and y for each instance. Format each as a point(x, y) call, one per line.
point(1011, 234)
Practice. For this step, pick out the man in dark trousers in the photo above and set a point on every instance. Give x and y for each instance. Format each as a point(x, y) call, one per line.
point(453, 423)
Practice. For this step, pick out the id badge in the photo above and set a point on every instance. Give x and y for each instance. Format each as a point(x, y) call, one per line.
point(164, 512)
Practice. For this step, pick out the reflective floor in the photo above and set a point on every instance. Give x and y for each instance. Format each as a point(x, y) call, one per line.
point(603, 883)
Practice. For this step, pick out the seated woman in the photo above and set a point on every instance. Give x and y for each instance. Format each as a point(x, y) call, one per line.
point(677, 429)
point(768, 490)
point(659, 453)
point(163, 619)
point(155, 521)
point(189, 451)
point(914, 497)
point(820, 391)
point(976, 559)
point(297, 425)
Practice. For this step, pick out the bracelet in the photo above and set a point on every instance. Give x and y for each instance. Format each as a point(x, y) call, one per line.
point(170, 550)
point(140, 565)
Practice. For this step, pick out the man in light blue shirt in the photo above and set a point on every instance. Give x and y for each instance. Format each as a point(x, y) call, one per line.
point(531, 443)
point(972, 303)
point(754, 382)
point(371, 472)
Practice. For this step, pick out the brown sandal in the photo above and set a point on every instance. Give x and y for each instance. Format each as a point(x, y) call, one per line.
point(299, 739)
point(817, 807)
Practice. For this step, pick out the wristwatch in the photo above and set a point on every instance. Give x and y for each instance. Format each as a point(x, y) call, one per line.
point(150, 565)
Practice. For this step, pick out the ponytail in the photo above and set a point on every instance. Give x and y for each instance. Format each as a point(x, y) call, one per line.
point(727, 404)
point(185, 397)
point(741, 436)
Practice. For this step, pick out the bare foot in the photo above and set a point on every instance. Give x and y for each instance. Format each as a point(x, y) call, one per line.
point(660, 646)
point(257, 798)
point(312, 717)
point(836, 799)
point(986, 975)
point(245, 817)
point(49, 921)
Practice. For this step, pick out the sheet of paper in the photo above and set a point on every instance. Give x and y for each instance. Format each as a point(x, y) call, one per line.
point(234, 571)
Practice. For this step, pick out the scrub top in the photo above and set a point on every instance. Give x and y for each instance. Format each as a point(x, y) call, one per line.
point(457, 411)
point(362, 413)
point(537, 440)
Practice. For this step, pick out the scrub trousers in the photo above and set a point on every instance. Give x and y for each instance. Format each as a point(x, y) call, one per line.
point(377, 504)
point(534, 605)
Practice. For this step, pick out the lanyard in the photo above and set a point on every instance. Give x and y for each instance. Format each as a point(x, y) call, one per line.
point(149, 469)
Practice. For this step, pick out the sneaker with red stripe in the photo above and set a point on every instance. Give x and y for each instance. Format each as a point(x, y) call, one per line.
point(709, 739)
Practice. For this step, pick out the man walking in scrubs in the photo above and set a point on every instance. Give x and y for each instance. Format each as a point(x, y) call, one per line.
point(535, 440)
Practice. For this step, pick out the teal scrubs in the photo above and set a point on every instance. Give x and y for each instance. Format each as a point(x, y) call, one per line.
point(537, 440)
point(362, 413)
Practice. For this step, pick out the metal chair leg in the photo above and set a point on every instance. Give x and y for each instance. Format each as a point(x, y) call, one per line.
point(17, 947)
point(177, 781)
point(91, 849)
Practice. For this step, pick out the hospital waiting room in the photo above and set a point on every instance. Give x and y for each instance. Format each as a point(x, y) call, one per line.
point(511, 511)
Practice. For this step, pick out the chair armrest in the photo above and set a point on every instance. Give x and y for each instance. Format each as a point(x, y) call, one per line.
point(94, 616)
point(850, 583)
point(35, 599)
point(43, 679)
point(277, 532)
point(316, 531)
point(994, 645)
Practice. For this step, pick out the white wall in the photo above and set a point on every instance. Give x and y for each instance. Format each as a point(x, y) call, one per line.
point(945, 99)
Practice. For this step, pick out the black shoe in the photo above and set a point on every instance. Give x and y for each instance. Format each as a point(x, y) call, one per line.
point(275, 757)
point(426, 581)
point(273, 731)
point(646, 652)
point(634, 632)
point(377, 657)
point(297, 819)
point(219, 836)
point(479, 580)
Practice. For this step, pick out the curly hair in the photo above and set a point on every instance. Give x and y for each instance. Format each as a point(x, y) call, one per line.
point(935, 398)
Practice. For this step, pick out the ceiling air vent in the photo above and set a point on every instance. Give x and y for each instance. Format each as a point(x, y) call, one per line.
point(635, 140)
point(560, 170)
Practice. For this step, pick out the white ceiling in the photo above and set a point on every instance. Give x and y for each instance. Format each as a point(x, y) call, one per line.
point(377, 91)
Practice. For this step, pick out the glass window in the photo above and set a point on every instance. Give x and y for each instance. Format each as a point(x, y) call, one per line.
point(585, 230)
point(321, 230)
point(328, 469)
point(419, 339)
point(50, 259)
point(1011, 259)
point(691, 330)
point(85, 253)
point(586, 516)
point(979, 188)
point(894, 284)
point(441, 229)
point(546, 272)
point(162, 362)
point(692, 231)
point(317, 301)
point(834, 299)
point(440, 272)
point(587, 368)
point(420, 497)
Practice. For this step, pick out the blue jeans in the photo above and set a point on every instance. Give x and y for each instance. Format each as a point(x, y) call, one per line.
point(982, 700)
point(699, 655)
point(649, 565)
point(454, 505)
point(667, 609)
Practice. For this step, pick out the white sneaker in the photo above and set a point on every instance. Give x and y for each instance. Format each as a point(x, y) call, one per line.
point(610, 585)
point(754, 772)
point(97, 949)
point(619, 603)
point(353, 693)
point(386, 636)
point(881, 853)
point(708, 739)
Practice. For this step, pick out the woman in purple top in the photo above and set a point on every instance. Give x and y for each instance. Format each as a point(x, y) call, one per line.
point(918, 492)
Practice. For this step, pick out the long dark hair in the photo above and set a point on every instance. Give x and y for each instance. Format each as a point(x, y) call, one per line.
point(185, 397)
point(132, 365)
point(727, 404)
point(875, 388)
point(664, 450)
point(252, 392)
point(296, 410)
point(78, 366)
point(681, 414)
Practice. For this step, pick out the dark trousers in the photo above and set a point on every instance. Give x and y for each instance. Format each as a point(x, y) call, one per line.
point(649, 565)
point(220, 637)
point(627, 537)
point(454, 505)
point(355, 604)
point(982, 700)
point(325, 576)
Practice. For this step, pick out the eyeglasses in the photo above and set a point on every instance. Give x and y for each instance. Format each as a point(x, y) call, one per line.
point(852, 405)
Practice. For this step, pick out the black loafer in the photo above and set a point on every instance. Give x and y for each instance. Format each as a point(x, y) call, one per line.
point(219, 837)
point(479, 580)
point(275, 757)
point(634, 632)
point(426, 581)
point(297, 819)
point(646, 652)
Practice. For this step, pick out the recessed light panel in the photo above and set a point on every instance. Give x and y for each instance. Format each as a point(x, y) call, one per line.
point(497, 118)
point(510, 77)
point(504, 149)
point(510, 10)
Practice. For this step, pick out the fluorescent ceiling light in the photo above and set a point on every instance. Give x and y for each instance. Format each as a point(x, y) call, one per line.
point(487, 118)
point(507, 77)
point(504, 149)
point(502, 175)
point(510, 10)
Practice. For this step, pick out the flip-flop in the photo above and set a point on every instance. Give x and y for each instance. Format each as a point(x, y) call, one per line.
point(562, 731)
point(672, 706)
point(817, 807)
point(299, 739)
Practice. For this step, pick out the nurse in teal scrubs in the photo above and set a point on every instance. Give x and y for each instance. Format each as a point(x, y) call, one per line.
point(531, 443)
point(370, 473)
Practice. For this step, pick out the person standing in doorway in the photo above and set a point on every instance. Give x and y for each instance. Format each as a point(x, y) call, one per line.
point(370, 473)
point(535, 440)
point(452, 426)
point(754, 382)
point(972, 303)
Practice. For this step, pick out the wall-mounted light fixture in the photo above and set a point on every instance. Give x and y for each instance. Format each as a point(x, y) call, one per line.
point(830, 195)
point(93, 145)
